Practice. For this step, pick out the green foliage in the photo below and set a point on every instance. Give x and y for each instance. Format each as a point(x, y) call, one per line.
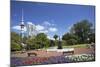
point(41, 37)
point(15, 46)
point(15, 41)
point(25, 39)
point(71, 42)
point(30, 43)
point(64, 43)
point(42, 40)
point(68, 36)
point(79, 33)
point(70, 39)
point(55, 37)
point(92, 37)
point(82, 30)
point(52, 43)
point(39, 41)
point(15, 37)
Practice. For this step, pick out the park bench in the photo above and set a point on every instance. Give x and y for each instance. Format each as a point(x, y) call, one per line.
point(64, 51)
point(68, 52)
point(31, 53)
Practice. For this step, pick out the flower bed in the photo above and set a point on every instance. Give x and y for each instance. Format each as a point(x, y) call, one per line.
point(51, 60)
point(27, 61)
point(81, 58)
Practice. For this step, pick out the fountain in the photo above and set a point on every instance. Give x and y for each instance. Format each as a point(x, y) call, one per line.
point(59, 48)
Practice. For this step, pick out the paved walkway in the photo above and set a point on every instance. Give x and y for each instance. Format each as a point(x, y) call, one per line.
point(44, 53)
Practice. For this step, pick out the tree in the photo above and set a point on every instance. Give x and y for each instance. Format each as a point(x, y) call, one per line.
point(15, 37)
point(31, 43)
point(15, 41)
point(42, 40)
point(55, 37)
point(52, 43)
point(91, 37)
point(36, 42)
point(70, 39)
point(15, 46)
point(71, 42)
point(82, 30)
point(68, 36)
point(25, 39)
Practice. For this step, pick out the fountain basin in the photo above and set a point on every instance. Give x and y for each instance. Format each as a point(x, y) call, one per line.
point(61, 50)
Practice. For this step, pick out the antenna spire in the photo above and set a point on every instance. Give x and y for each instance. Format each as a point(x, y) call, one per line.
point(22, 20)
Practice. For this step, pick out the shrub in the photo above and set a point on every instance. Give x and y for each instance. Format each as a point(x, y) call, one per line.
point(64, 43)
point(71, 41)
point(15, 46)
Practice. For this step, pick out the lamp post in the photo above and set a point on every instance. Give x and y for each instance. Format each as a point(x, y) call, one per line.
point(89, 46)
point(88, 39)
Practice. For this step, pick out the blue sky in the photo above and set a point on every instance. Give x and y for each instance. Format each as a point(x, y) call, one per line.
point(50, 18)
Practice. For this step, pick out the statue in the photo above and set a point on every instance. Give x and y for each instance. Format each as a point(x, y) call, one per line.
point(59, 44)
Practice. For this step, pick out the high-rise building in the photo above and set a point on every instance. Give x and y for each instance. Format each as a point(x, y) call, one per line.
point(31, 29)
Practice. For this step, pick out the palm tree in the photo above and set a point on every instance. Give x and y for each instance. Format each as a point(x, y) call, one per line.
point(55, 37)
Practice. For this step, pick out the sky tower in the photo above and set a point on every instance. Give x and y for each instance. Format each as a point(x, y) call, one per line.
point(22, 26)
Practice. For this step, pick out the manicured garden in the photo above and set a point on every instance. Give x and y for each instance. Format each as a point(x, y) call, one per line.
point(15, 61)
point(40, 44)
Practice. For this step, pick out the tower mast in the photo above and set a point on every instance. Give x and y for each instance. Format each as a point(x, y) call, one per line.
point(22, 25)
point(22, 20)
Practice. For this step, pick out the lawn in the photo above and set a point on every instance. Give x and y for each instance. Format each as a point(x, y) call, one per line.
point(76, 46)
point(72, 46)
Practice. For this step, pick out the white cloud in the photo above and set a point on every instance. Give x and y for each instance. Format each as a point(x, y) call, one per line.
point(51, 38)
point(30, 23)
point(39, 27)
point(18, 28)
point(43, 31)
point(48, 23)
point(52, 29)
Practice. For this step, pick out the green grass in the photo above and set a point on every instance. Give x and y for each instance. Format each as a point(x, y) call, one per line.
point(72, 46)
point(76, 46)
